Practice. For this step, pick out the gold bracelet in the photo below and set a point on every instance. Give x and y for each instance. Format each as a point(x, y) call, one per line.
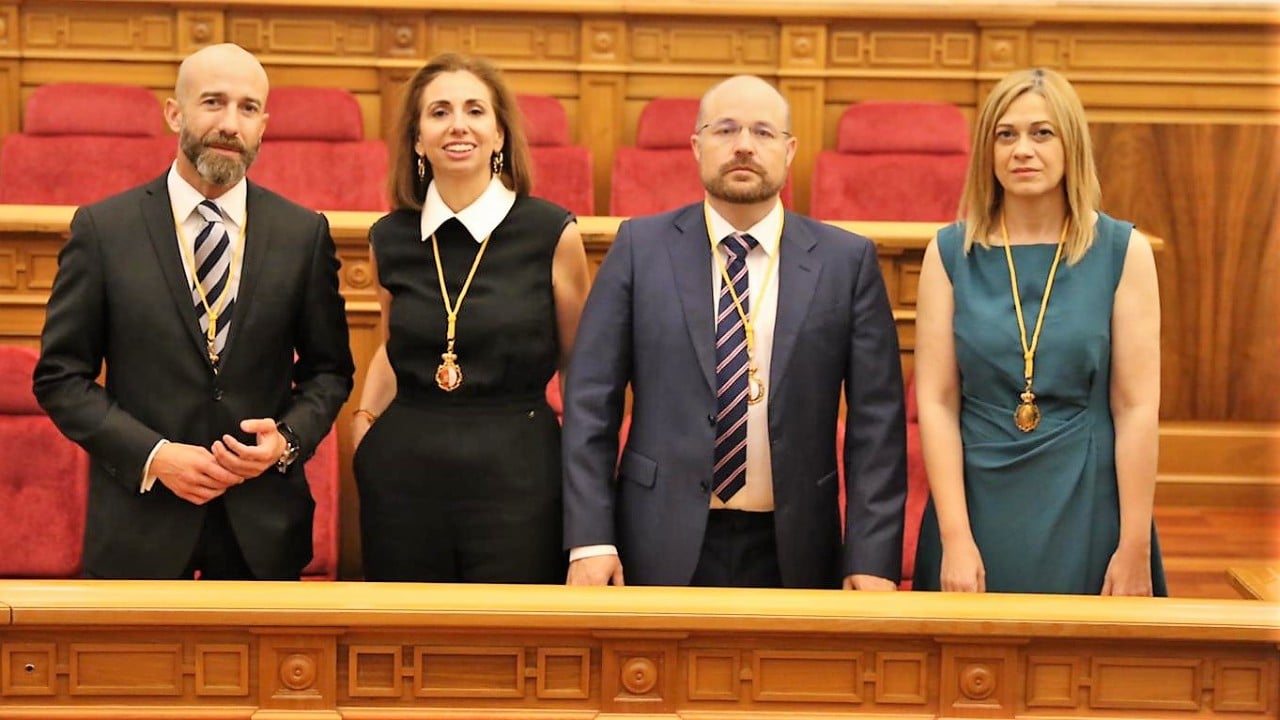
point(367, 413)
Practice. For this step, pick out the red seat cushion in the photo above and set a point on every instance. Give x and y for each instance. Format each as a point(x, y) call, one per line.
point(325, 482)
point(44, 481)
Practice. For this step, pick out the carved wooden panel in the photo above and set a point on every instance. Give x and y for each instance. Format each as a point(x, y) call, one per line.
point(27, 669)
point(604, 40)
point(902, 678)
point(506, 37)
point(198, 28)
point(404, 36)
point(462, 672)
point(803, 47)
point(121, 669)
point(305, 33)
point(807, 676)
point(1053, 681)
point(563, 673)
point(8, 27)
point(737, 44)
point(222, 670)
point(1144, 683)
point(118, 27)
point(375, 671)
point(1241, 686)
point(901, 46)
point(1080, 49)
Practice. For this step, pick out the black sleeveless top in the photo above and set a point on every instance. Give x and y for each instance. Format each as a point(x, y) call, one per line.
point(506, 336)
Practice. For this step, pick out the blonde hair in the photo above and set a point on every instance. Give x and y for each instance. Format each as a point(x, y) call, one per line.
point(983, 197)
point(406, 189)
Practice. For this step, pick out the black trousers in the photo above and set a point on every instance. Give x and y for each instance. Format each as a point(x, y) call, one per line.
point(462, 493)
point(740, 549)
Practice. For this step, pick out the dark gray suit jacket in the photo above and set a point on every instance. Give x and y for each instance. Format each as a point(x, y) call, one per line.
point(649, 323)
point(121, 297)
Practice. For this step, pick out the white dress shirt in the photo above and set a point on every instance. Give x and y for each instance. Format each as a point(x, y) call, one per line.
point(757, 494)
point(183, 199)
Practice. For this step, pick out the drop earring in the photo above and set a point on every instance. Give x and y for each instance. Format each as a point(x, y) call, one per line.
point(422, 169)
point(495, 163)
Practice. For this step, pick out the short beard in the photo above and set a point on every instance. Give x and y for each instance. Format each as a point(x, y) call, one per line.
point(217, 169)
point(719, 187)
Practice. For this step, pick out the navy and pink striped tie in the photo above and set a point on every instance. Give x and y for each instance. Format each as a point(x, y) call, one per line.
point(730, 473)
point(213, 271)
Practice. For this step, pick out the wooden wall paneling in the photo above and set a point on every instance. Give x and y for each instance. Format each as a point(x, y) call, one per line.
point(337, 37)
point(1211, 192)
point(95, 29)
point(198, 28)
point(509, 40)
point(803, 57)
point(11, 96)
point(603, 96)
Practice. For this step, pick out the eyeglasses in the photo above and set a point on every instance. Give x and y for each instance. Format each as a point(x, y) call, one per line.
point(724, 131)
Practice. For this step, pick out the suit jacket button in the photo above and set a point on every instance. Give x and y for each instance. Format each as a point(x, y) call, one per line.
point(217, 394)
point(711, 419)
point(706, 486)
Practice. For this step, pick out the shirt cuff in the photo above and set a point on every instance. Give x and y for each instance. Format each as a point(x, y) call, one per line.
point(148, 480)
point(590, 551)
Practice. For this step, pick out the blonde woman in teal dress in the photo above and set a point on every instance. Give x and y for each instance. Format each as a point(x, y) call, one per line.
point(1038, 367)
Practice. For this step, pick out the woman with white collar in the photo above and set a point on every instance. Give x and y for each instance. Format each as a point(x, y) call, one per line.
point(480, 287)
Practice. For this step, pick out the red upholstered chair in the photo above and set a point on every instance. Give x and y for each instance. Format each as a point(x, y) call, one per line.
point(660, 172)
point(562, 172)
point(44, 481)
point(900, 161)
point(315, 154)
point(83, 142)
point(917, 485)
point(325, 481)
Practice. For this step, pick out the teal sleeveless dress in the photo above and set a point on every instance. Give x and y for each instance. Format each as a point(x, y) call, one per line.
point(1043, 505)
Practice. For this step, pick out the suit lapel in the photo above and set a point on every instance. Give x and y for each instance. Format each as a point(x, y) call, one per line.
point(691, 263)
point(157, 213)
point(797, 281)
point(254, 244)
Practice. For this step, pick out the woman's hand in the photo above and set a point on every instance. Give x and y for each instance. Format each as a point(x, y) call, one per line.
point(962, 568)
point(1129, 572)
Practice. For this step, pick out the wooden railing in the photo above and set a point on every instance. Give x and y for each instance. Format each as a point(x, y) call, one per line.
point(303, 651)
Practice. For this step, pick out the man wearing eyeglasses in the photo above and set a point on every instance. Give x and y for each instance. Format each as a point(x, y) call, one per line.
point(736, 323)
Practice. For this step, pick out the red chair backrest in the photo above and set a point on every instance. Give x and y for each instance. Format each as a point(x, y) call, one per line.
point(44, 481)
point(894, 161)
point(660, 173)
point(562, 173)
point(83, 142)
point(314, 152)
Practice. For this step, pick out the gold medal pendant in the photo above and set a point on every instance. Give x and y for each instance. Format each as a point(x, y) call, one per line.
point(755, 387)
point(210, 345)
point(448, 374)
point(1027, 416)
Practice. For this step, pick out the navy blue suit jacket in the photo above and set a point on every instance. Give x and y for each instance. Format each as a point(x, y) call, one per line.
point(649, 323)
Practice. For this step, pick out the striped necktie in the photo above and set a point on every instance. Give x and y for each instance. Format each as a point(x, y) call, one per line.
point(213, 272)
point(730, 472)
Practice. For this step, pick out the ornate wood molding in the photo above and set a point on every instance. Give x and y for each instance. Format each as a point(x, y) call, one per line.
point(352, 650)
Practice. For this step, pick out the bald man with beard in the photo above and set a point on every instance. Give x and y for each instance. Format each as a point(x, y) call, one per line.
point(736, 324)
point(214, 305)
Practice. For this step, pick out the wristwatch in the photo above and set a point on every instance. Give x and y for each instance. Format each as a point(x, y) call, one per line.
point(291, 448)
